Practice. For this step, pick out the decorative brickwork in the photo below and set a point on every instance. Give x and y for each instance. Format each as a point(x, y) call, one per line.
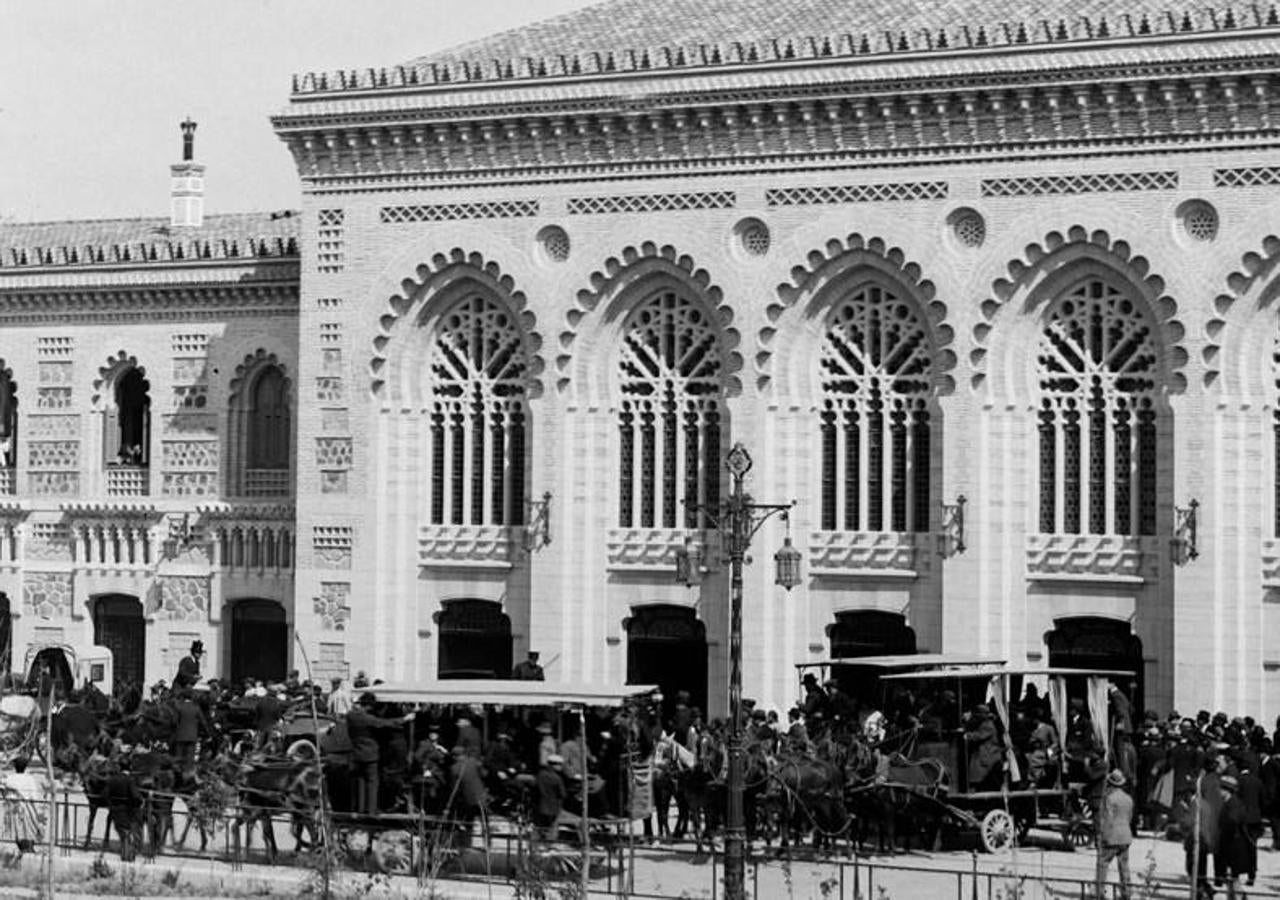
point(189, 484)
point(48, 541)
point(644, 548)
point(191, 397)
point(333, 481)
point(54, 347)
point(53, 398)
point(857, 193)
point(331, 362)
point(189, 454)
point(465, 544)
point(330, 332)
point(1094, 183)
point(53, 427)
point(190, 344)
point(53, 455)
point(54, 373)
point(180, 598)
point(53, 484)
point(448, 212)
point(333, 453)
point(853, 552)
point(1092, 556)
point(330, 241)
point(331, 545)
point(333, 606)
point(647, 203)
point(1259, 176)
point(329, 389)
point(47, 594)
point(190, 371)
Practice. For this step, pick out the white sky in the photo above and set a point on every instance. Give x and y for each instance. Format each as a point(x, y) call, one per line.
point(92, 91)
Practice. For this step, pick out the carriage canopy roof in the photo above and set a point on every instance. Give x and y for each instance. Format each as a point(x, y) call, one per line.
point(908, 661)
point(511, 693)
point(988, 671)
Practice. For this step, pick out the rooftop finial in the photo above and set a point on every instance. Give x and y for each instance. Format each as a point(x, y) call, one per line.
point(188, 140)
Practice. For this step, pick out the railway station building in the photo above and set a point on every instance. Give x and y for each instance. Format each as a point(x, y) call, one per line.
point(991, 293)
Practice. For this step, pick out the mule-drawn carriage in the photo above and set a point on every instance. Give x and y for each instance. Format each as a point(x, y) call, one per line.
point(1002, 764)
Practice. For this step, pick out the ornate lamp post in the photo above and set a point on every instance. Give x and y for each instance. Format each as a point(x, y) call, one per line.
point(738, 519)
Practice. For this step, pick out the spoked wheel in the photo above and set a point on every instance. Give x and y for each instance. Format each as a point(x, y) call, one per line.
point(997, 830)
point(302, 750)
point(1080, 834)
point(393, 852)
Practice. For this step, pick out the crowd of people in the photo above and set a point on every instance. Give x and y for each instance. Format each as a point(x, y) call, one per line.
point(1210, 780)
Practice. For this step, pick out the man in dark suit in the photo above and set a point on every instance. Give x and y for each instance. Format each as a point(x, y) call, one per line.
point(266, 715)
point(362, 725)
point(529, 670)
point(191, 724)
point(189, 666)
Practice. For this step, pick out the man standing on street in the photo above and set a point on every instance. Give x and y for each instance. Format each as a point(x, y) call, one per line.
point(1114, 834)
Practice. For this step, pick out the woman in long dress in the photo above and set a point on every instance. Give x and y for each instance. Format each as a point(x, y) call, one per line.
point(23, 807)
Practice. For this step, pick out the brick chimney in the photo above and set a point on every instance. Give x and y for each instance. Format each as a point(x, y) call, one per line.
point(186, 184)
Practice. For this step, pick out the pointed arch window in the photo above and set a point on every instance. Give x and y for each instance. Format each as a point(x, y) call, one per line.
point(876, 372)
point(670, 414)
point(478, 416)
point(1097, 365)
point(269, 421)
point(126, 434)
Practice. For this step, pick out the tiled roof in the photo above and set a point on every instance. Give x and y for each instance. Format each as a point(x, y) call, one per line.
point(146, 240)
point(635, 35)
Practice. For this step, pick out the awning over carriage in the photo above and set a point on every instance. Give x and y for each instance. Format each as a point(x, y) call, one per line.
point(907, 661)
point(511, 693)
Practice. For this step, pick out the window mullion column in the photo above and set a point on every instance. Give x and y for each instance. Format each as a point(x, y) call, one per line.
point(1060, 469)
point(841, 443)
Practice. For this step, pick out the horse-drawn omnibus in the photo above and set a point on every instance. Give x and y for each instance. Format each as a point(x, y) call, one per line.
point(1039, 752)
point(397, 840)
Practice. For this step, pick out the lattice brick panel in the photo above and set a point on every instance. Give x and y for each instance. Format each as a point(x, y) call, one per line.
point(1100, 183)
point(857, 193)
point(54, 346)
point(1260, 176)
point(644, 203)
point(451, 212)
point(330, 243)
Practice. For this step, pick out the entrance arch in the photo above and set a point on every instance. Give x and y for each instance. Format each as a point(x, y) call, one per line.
point(119, 626)
point(259, 641)
point(475, 640)
point(667, 646)
point(870, 632)
point(1095, 642)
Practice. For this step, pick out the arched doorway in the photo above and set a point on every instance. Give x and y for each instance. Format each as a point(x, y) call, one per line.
point(475, 640)
point(1094, 642)
point(259, 641)
point(119, 626)
point(50, 670)
point(667, 646)
point(870, 632)
point(867, 632)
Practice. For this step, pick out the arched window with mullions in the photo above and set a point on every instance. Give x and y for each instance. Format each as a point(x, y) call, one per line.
point(876, 376)
point(478, 372)
point(671, 371)
point(1097, 363)
point(269, 421)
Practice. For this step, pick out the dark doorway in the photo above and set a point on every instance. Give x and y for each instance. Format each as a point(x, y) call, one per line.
point(118, 625)
point(475, 640)
point(870, 632)
point(667, 646)
point(259, 641)
point(50, 671)
point(1092, 642)
point(867, 632)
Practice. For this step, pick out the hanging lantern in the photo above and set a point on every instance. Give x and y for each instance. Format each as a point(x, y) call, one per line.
point(687, 563)
point(787, 561)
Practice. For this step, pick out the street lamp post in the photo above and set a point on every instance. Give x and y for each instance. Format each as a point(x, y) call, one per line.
point(738, 519)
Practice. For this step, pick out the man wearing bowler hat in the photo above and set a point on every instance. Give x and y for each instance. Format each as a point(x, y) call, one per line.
point(1115, 812)
point(189, 666)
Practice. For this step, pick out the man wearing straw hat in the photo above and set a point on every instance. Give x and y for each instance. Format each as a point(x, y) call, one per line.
point(1115, 812)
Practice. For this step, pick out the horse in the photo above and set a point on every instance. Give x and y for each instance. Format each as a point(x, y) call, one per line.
point(892, 788)
point(265, 787)
point(808, 793)
point(670, 760)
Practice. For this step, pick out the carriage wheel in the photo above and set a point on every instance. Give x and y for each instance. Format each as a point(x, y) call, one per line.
point(393, 852)
point(303, 750)
point(1080, 834)
point(997, 831)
